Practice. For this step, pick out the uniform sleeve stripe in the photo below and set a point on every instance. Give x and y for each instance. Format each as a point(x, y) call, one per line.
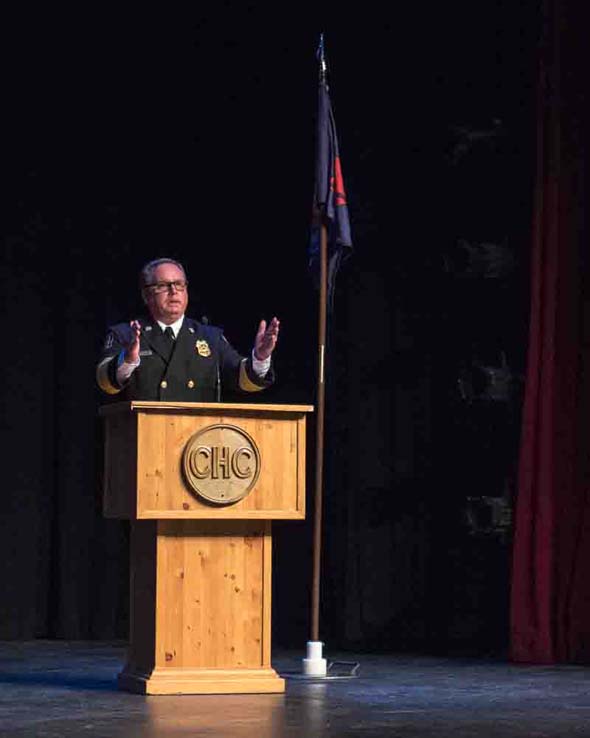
point(103, 377)
point(245, 382)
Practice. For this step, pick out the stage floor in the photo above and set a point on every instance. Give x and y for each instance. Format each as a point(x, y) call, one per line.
point(54, 689)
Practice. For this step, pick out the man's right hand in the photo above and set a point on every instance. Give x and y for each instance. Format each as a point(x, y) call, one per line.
point(132, 349)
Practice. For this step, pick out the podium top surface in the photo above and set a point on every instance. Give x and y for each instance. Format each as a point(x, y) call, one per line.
point(200, 407)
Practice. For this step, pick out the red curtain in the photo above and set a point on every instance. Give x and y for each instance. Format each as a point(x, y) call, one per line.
point(550, 604)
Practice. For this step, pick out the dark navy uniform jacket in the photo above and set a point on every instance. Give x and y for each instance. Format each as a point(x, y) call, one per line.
point(200, 361)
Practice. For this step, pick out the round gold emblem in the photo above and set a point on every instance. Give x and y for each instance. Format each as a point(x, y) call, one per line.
point(221, 463)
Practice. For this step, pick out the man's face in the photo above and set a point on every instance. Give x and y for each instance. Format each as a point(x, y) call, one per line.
point(166, 306)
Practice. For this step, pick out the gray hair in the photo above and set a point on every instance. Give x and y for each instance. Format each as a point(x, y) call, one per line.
point(147, 272)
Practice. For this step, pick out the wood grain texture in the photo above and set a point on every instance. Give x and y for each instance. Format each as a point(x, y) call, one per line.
point(145, 443)
point(201, 575)
point(211, 577)
point(163, 491)
point(222, 681)
point(201, 607)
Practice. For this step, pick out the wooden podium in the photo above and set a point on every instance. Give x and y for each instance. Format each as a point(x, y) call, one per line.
point(200, 483)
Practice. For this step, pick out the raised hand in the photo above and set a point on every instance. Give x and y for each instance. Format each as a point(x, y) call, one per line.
point(266, 339)
point(132, 348)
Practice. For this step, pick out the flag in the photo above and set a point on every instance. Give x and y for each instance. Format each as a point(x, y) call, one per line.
point(329, 202)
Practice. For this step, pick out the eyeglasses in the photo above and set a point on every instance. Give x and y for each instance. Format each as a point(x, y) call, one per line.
point(158, 287)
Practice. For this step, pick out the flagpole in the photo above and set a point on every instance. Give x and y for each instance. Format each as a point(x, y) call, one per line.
point(320, 397)
point(332, 226)
point(320, 415)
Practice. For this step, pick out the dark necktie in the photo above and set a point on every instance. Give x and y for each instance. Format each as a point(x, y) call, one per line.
point(169, 340)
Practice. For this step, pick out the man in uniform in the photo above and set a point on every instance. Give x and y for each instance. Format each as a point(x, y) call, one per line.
point(172, 357)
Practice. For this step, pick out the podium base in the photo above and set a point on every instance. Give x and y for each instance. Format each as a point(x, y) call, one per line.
point(202, 681)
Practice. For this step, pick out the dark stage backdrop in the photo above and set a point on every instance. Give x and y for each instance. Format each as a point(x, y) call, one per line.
point(193, 137)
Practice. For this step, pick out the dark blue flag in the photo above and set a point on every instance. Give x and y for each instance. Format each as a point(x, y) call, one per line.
point(329, 202)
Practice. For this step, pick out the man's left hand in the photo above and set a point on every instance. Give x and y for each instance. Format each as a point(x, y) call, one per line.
point(266, 339)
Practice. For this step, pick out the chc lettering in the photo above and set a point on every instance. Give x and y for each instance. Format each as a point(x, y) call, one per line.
point(220, 462)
